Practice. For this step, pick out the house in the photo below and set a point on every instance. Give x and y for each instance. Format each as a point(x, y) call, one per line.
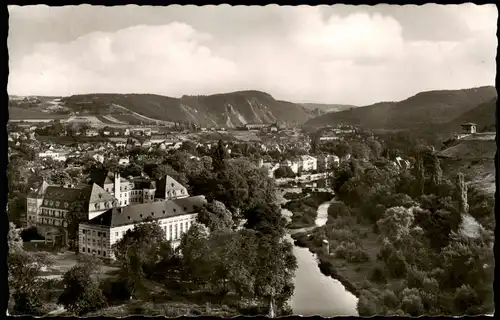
point(123, 161)
point(146, 143)
point(98, 158)
point(106, 132)
point(97, 236)
point(292, 164)
point(52, 154)
point(48, 206)
point(255, 126)
point(91, 133)
point(469, 128)
point(307, 163)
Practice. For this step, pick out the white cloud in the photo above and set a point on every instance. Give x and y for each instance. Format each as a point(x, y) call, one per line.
point(360, 58)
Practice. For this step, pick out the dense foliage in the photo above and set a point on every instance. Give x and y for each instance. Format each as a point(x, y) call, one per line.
point(417, 215)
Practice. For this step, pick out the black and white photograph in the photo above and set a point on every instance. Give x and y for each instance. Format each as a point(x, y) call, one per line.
point(183, 160)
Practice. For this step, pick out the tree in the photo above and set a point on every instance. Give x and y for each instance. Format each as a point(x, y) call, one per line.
point(216, 216)
point(266, 219)
point(276, 265)
point(14, 240)
point(81, 293)
point(195, 259)
point(462, 194)
point(139, 251)
point(396, 223)
point(219, 154)
point(74, 216)
point(284, 172)
point(25, 285)
point(419, 173)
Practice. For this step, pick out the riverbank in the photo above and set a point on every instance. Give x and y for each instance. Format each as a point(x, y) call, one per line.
point(352, 254)
point(304, 208)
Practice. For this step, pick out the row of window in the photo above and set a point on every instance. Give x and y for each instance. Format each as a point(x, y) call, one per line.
point(54, 222)
point(94, 242)
point(94, 251)
point(93, 233)
point(53, 213)
point(52, 202)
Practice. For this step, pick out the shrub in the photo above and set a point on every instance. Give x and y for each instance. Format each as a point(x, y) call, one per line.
point(390, 300)
point(351, 252)
point(378, 275)
point(396, 265)
point(338, 209)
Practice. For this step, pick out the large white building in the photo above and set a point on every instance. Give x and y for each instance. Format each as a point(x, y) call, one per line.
point(97, 236)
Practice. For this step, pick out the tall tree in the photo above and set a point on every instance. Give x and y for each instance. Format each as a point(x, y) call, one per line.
point(462, 194)
point(219, 154)
point(81, 293)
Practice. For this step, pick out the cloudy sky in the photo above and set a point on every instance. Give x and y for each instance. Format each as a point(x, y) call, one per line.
point(327, 54)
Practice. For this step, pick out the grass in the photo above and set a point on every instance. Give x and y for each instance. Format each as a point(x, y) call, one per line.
point(17, 113)
point(70, 140)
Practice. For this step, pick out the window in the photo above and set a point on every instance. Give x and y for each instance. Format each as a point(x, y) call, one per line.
point(104, 253)
point(83, 249)
point(83, 231)
point(88, 250)
point(98, 234)
point(151, 197)
point(185, 226)
point(98, 252)
point(57, 203)
point(116, 234)
point(104, 234)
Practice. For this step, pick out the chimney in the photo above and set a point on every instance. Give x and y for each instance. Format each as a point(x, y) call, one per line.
point(117, 186)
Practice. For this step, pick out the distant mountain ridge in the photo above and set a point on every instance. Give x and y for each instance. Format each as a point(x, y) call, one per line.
point(425, 110)
point(218, 110)
point(224, 110)
point(325, 107)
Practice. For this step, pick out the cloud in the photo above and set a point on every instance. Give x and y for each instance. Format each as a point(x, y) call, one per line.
point(305, 55)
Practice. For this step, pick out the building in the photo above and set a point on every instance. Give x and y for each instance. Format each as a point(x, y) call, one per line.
point(123, 161)
point(134, 190)
point(169, 189)
point(97, 236)
point(469, 128)
point(48, 206)
point(91, 133)
point(307, 163)
point(51, 153)
point(255, 126)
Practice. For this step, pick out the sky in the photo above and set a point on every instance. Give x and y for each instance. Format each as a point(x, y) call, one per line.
point(324, 54)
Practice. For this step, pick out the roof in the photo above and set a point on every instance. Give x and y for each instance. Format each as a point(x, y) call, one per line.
point(98, 194)
point(143, 183)
point(38, 193)
point(167, 184)
point(469, 124)
point(157, 210)
point(61, 198)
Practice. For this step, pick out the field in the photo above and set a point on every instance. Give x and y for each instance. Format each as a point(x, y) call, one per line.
point(129, 118)
point(16, 113)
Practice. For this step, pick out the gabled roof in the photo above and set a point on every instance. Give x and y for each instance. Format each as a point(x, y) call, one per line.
point(156, 210)
point(61, 198)
point(98, 194)
point(167, 184)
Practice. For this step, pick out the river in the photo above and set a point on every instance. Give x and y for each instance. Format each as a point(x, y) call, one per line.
point(315, 293)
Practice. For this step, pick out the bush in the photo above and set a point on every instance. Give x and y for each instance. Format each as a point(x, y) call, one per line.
point(338, 209)
point(378, 275)
point(351, 252)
